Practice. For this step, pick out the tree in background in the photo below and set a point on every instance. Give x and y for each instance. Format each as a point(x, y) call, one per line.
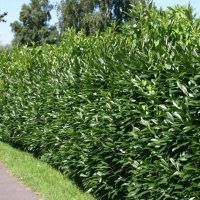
point(83, 14)
point(33, 25)
point(93, 15)
point(2, 15)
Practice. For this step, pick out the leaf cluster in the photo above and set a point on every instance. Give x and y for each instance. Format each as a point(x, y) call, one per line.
point(2, 15)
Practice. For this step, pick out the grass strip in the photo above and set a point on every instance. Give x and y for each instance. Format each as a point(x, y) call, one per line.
point(39, 176)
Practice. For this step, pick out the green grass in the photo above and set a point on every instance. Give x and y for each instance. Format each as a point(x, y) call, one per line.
point(40, 177)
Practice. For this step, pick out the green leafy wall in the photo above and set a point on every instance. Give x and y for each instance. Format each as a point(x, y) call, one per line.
point(117, 112)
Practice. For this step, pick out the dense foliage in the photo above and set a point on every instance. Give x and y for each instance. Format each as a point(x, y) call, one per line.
point(117, 112)
point(94, 15)
point(33, 25)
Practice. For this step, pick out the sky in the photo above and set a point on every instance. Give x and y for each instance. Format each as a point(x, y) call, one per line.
point(13, 8)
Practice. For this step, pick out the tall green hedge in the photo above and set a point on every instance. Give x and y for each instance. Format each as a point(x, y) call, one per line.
point(118, 112)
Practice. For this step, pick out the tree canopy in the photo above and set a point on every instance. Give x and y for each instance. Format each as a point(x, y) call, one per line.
point(92, 15)
point(33, 25)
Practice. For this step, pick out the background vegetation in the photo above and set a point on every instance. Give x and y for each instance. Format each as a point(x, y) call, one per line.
point(2, 15)
point(33, 25)
point(85, 15)
point(94, 15)
point(118, 112)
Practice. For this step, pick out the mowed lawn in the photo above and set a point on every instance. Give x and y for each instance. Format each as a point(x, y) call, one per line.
point(40, 177)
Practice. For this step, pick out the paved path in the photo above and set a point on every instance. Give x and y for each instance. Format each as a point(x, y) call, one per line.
point(11, 189)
